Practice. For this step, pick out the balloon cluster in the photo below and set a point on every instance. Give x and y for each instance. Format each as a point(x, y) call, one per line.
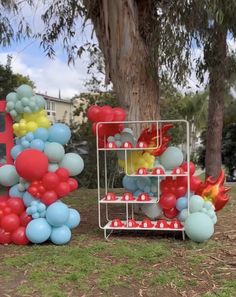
point(42, 174)
point(119, 139)
point(106, 113)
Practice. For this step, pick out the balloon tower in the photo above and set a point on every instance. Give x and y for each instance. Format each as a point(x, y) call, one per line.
point(40, 174)
point(161, 191)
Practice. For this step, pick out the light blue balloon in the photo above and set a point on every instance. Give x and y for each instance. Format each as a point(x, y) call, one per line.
point(37, 144)
point(73, 163)
point(8, 175)
point(60, 235)
point(41, 133)
point(181, 203)
point(52, 167)
point(74, 218)
point(211, 213)
point(154, 188)
point(137, 193)
point(54, 151)
point(19, 107)
point(129, 183)
point(208, 205)
point(24, 91)
point(183, 215)
point(171, 158)
point(39, 100)
point(13, 114)
point(25, 101)
point(42, 214)
point(199, 227)
point(35, 215)
point(12, 97)
point(142, 182)
point(27, 198)
point(16, 150)
point(10, 105)
point(14, 192)
point(147, 189)
point(38, 230)
point(57, 214)
point(29, 136)
point(25, 143)
point(214, 220)
point(41, 207)
point(196, 203)
point(59, 133)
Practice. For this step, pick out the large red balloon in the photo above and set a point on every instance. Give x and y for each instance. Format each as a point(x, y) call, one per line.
point(106, 114)
point(19, 236)
point(17, 205)
point(5, 237)
point(167, 201)
point(63, 174)
point(171, 213)
point(31, 164)
point(195, 183)
point(93, 113)
point(25, 219)
point(49, 197)
point(63, 189)
point(73, 184)
point(119, 114)
point(10, 222)
point(50, 181)
point(180, 191)
point(192, 167)
point(182, 181)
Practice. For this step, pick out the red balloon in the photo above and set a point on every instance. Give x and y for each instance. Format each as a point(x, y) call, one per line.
point(50, 180)
point(3, 204)
point(10, 222)
point(73, 184)
point(4, 198)
point(195, 183)
point(182, 181)
point(171, 213)
point(167, 201)
point(102, 129)
point(49, 197)
point(41, 189)
point(63, 174)
point(6, 210)
point(5, 237)
point(192, 167)
point(63, 189)
point(93, 113)
point(31, 164)
point(19, 236)
point(119, 114)
point(25, 219)
point(180, 191)
point(106, 114)
point(113, 129)
point(17, 205)
point(32, 190)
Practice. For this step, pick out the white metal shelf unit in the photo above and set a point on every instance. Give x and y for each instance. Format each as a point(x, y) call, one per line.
point(107, 227)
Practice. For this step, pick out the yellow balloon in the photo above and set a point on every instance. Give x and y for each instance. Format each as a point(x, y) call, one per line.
point(31, 126)
point(43, 122)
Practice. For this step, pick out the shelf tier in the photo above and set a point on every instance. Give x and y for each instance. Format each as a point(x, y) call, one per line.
point(168, 173)
point(104, 201)
point(154, 228)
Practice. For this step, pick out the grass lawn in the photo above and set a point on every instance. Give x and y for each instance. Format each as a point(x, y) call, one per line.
point(127, 265)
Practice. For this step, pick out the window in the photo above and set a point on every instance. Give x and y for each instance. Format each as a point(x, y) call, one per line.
point(3, 153)
point(51, 108)
point(2, 122)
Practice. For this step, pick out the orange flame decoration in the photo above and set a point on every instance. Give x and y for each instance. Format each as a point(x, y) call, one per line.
point(159, 141)
point(215, 191)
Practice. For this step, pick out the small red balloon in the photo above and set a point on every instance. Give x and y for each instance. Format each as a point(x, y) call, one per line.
point(167, 201)
point(31, 164)
point(10, 222)
point(50, 180)
point(63, 174)
point(119, 114)
point(180, 191)
point(25, 219)
point(192, 167)
point(32, 190)
point(3, 204)
point(73, 184)
point(49, 197)
point(19, 236)
point(195, 183)
point(5, 237)
point(171, 213)
point(63, 189)
point(182, 181)
point(41, 189)
point(17, 205)
point(93, 113)
point(7, 210)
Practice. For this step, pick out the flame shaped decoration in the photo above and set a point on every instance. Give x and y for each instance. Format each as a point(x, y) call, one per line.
point(215, 191)
point(159, 141)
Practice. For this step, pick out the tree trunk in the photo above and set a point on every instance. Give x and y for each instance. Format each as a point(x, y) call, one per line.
point(128, 53)
point(216, 68)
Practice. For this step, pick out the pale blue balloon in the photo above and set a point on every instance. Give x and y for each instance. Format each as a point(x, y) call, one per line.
point(25, 144)
point(16, 150)
point(24, 91)
point(52, 167)
point(196, 203)
point(171, 158)
point(39, 100)
point(183, 215)
point(12, 97)
point(59, 133)
point(14, 192)
point(142, 182)
point(41, 133)
point(25, 101)
point(35, 215)
point(19, 107)
point(137, 193)
point(181, 203)
point(13, 113)
point(54, 151)
point(10, 105)
point(57, 214)
point(30, 136)
point(147, 189)
point(73, 163)
point(41, 207)
point(208, 205)
point(38, 230)
point(211, 213)
point(28, 198)
point(129, 183)
point(60, 235)
point(8, 175)
point(199, 227)
point(37, 144)
point(74, 218)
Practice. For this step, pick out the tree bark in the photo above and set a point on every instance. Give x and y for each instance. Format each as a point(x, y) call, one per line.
point(213, 160)
point(128, 56)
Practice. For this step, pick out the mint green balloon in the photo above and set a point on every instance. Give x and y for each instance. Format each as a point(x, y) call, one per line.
point(13, 114)
point(73, 163)
point(8, 175)
point(52, 167)
point(196, 203)
point(12, 97)
point(171, 158)
point(27, 109)
point(25, 101)
point(39, 100)
point(54, 151)
point(199, 227)
point(24, 91)
point(10, 105)
point(19, 107)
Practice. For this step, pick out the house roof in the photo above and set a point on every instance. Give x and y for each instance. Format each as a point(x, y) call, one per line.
point(51, 98)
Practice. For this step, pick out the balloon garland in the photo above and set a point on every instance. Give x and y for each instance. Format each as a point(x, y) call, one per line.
point(42, 174)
